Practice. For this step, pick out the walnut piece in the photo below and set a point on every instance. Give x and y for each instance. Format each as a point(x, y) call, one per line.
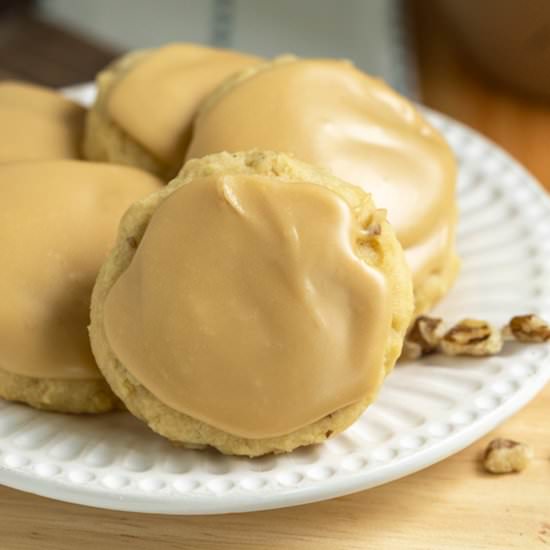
point(527, 328)
point(472, 337)
point(371, 227)
point(503, 456)
point(374, 229)
point(423, 337)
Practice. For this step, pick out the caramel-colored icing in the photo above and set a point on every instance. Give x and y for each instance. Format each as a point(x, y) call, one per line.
point(38, 124)
point(155, 100)
point(58, 221)
point(330, 114)
point(247, 306)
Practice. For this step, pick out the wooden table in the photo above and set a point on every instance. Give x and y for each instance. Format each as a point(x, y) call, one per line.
point(452, 505)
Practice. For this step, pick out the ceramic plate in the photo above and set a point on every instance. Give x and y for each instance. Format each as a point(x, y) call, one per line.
point(426, 411)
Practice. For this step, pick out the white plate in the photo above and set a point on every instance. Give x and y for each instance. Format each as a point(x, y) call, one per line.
point(425, 411)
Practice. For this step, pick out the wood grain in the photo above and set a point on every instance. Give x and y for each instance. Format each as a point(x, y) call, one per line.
point(452, 505)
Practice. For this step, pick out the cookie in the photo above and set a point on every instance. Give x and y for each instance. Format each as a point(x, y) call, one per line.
point(330, 114)
point(253, 305)
point(146, 102)
point(58, 221)
point(38, 124)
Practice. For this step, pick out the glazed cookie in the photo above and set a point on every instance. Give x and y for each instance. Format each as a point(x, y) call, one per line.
point(58, 220)
point(38, 124)
point(254, 305)
point(332, 115)
point(146, 102)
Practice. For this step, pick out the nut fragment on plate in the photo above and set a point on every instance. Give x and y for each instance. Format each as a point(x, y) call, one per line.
point(423, 337)
point(504, 456)
point(527, 328)
point(472, 337)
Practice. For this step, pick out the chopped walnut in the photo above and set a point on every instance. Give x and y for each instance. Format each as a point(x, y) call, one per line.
point(132, 242)
point(423, 337)
point(370, 231)
point(411, 350)
point(372, 227)
point(527, 328)
point(471, 337)
point(504, 456)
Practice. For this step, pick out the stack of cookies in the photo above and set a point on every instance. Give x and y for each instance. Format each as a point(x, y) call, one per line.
point(252, 238)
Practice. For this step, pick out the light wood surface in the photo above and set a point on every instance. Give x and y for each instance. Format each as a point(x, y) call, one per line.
point(453, 505)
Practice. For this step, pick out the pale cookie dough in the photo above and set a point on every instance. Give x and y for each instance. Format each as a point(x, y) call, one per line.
point(58, 221)
point(38, 124)
point(271, 309)
point(68, 396)
point(330, 114)
point(146, 102)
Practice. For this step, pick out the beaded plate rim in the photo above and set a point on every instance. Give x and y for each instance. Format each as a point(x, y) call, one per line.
point(491, 390)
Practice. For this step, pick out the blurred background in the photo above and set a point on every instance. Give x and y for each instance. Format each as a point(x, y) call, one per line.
point(485, 63)
point(84, 34)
